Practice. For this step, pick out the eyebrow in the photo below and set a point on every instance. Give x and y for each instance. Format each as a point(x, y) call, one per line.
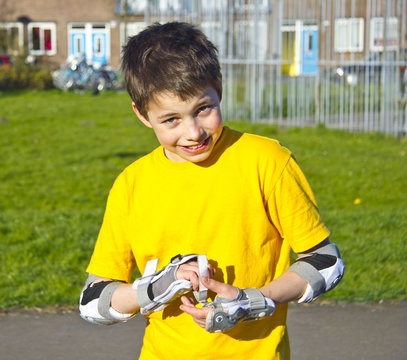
point(167, 116)
point(204, 100)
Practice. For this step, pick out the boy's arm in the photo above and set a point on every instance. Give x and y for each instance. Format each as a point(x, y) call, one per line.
point(295, 283)
point(290, 285)
point(125, 298)
point(107, 301)
point(97, 298)
point(233, 305)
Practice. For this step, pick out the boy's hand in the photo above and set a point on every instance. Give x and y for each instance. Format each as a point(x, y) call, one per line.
point(200, 314)
point(230, 306)
point(189, 271)
point(156, 289)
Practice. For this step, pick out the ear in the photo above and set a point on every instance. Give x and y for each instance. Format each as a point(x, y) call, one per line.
point(141, 117)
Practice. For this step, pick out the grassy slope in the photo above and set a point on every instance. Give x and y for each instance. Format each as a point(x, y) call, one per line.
point(61, 152)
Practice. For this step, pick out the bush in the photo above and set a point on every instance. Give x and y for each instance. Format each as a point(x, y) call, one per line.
point(21, 75)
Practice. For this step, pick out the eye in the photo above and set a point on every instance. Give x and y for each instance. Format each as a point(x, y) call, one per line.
point(204, 109)
point(170, 121)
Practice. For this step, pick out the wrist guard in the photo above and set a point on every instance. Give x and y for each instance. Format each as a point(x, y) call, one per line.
point(156, 290)
point(250, 304)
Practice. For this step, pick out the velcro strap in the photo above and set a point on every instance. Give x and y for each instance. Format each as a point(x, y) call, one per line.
point(256, 298)
point(310, 274)
point(151, 268)
point(105, 299)
point(144, 282)
point(202, 294)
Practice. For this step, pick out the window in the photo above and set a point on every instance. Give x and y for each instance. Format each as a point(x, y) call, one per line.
point(78, 45)
point(251, 40)
point(99, 45)
point(134, 7)
point(42, 38)
point(262, 5)
point(133, 28)
point(377, 34)
point(212, 6)
point(214, 31)
point(11, 37)
point(349, 35)
point(308, 46)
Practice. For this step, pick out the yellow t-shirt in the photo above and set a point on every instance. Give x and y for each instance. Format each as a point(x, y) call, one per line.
point(244, 208)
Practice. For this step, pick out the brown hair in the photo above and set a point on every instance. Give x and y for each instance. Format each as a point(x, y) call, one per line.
point(175, 57)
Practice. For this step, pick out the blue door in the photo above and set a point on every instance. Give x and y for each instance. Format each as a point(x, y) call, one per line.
point(90, 41)
point(99, 49)
point(309, 51)
point(78, 44)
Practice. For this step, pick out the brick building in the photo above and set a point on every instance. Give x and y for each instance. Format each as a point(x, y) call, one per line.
point(53, 30)
point(299, 33)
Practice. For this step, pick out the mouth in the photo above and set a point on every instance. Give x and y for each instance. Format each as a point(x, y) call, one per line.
point(198, 147)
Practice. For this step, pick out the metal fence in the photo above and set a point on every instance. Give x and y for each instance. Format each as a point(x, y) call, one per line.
point(340, 63)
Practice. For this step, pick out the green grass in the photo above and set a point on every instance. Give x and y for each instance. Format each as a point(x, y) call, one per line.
point(60, 154)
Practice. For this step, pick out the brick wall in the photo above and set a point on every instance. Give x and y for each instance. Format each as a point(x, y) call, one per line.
point(62, 13)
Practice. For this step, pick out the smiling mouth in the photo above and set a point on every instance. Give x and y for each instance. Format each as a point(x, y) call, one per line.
point(198, 147)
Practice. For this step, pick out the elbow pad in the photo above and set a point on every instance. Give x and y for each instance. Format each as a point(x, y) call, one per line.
point(322, 269)
point(94, 303)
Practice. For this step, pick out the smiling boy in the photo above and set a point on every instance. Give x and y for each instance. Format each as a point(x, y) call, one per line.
point(186, 129)
point(239, 199)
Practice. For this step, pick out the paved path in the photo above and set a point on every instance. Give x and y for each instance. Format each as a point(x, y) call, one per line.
point(351, 332)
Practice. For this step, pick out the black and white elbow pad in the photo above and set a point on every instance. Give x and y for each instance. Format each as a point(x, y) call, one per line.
point(322, 269)
point(94, 303)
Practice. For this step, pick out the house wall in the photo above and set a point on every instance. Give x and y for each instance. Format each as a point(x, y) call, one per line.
point(64, 12)
point(284, 12)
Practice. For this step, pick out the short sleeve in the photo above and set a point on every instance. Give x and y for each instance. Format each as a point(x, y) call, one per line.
point(112, 257)
point(293, 210)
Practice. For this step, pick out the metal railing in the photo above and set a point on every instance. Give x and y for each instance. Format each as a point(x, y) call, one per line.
point(340, 63)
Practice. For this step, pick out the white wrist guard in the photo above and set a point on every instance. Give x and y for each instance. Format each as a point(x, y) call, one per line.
point(250, 304)
point(155, 290)
point(322, 269)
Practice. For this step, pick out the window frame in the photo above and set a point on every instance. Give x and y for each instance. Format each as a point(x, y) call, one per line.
point(133, 28)
point(42, 26)
point(243, 44)
point(380, 21)
point(20, 31)
point(346, 42)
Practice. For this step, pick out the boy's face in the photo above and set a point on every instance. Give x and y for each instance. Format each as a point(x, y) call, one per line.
point(188, 130)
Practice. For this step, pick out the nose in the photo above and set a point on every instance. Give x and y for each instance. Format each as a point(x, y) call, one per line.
point(193, 129)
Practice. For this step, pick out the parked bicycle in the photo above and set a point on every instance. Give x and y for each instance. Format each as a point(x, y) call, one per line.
point(77, 74)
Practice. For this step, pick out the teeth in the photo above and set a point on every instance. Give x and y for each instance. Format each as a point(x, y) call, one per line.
point(199, 145)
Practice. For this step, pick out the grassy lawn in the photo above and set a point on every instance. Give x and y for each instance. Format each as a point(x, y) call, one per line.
point(61, 152)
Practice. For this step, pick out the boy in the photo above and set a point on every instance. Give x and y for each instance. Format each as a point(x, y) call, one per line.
point(239, 199)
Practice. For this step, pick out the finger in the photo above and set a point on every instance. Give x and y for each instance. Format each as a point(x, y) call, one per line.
point(201, 322)
point(194, 279)
point(198, 314)
point(187, 301)
point(190, 264)
point(185, 270)
point(211, 271)
point(223, 290)
point(188, 268)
